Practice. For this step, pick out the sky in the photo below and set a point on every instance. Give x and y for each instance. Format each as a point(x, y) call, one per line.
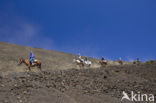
point(94, 28)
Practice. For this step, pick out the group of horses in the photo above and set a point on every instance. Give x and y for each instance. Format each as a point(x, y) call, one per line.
point(101, 62)
point(81, 63)
point(88, 63)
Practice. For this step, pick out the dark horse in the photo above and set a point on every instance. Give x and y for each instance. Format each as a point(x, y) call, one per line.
point(120, 62)
point(137, 62)
point(28, 64)
point(103, 63)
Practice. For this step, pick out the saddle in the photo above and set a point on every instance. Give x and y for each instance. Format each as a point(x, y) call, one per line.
point(35, 61)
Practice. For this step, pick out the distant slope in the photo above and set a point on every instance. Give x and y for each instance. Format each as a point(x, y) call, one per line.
point(51, 60)
point(10, 53)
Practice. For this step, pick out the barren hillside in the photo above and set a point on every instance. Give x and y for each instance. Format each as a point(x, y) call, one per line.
point(61, 82)
point(51, 60)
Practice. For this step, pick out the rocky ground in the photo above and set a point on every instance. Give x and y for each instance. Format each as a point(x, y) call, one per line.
point(100, 85)
point(61, 81)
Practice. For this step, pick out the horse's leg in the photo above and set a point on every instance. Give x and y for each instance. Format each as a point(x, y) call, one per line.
point(82, 65)
point(121, 63)
point(40, 67)
point(105, 63)
point(29, 68)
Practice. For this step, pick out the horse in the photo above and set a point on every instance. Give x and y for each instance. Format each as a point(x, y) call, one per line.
point(28, 64)
point(137, 62)
point(120, 62)
point(78, 62)
point(103, 63)
point(88, 63)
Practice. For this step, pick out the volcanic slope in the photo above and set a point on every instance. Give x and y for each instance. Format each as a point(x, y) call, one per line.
point(61, 82)
point(51, 60)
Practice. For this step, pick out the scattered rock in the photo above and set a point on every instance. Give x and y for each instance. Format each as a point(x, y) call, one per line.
point(86, 81)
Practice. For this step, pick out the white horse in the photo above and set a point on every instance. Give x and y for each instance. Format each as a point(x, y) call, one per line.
point(78, 62)
point(84, 62)
point(88, 63)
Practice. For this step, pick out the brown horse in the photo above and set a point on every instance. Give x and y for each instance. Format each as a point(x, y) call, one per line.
point(28, 64)
point(103, 63)
point(120, 62)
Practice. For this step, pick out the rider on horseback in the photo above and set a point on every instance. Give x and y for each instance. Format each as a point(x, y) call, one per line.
point(138, 60)
point(102, 59)
point(31, 58)
point(80, 59)
point(86, 58)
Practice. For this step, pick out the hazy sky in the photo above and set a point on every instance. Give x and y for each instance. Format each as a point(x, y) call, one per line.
point(109, 28)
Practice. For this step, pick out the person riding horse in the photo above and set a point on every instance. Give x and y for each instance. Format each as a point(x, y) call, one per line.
point(31, 58)
point(120, 61)
point(86, 58)
point(31, 62)
point(80, 59)
point(102, 59)
point(103, 62)
point(138, 60)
